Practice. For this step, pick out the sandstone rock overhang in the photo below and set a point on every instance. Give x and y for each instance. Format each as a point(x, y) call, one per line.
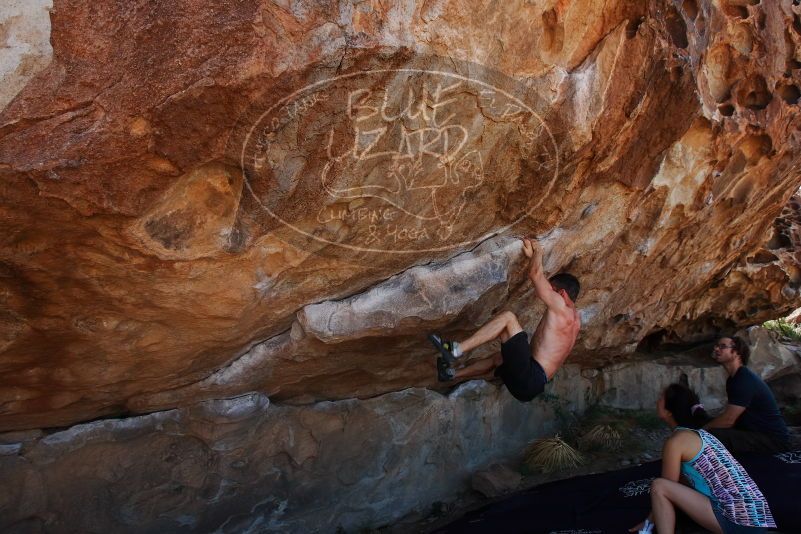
point(178, 188)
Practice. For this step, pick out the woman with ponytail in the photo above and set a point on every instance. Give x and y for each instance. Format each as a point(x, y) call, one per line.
point(683, 404)
point(721, 496)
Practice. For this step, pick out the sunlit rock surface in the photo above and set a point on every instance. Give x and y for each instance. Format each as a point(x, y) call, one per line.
point(25, 39)
point(778, 361)
point(204, 200)
point(762, 285)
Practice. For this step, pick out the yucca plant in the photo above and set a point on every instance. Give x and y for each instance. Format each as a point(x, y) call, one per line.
point(552, 454)
point(601, 437)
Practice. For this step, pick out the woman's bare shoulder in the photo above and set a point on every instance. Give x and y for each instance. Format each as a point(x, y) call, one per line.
point(685, 440)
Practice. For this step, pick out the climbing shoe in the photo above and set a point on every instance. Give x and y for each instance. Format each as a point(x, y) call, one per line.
point(444, 347)
point(445, 373)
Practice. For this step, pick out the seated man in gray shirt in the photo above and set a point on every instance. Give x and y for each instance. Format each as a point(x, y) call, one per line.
point(751, 421)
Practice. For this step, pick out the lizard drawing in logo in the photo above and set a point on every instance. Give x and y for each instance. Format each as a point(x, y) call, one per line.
point(412, 159)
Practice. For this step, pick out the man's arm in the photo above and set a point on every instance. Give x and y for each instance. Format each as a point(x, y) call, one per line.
point(727, 418)
point(740, 394)
point(542, 287)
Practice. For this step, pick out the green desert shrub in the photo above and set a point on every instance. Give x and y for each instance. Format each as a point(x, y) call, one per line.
point(784, 328)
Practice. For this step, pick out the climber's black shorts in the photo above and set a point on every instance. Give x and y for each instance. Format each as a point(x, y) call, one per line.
point(523, 376)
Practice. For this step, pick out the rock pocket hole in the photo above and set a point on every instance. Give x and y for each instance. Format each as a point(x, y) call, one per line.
point(762, 257)
point(753, 94)
point(742, 191)
point(762, 20)
point(778, 241)
point(554, 31)
point(653, 341)
point(717, 72)
point(738, 12)
point(757, 100)
point(755, 147)
point(789, 93)
point(173, 230)
point(620, 317)
point(727, 110)
point(794, 274)
point(690, 8)
point(632, 27)
point(677, 29)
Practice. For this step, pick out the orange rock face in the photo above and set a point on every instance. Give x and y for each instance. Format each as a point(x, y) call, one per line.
point(199, 200)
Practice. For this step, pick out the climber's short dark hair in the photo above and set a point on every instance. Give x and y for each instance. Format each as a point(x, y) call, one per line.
point(568, 282)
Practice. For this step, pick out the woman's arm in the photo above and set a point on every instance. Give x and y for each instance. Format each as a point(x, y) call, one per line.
point(672, 453)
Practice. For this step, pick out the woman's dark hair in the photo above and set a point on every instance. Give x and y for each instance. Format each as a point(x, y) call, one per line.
point(568, 282)
point(683, 403)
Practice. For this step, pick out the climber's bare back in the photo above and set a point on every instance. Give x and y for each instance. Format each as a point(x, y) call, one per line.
point(554, 338)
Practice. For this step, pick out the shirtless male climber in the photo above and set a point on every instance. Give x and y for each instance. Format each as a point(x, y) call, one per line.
point(524, 368)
